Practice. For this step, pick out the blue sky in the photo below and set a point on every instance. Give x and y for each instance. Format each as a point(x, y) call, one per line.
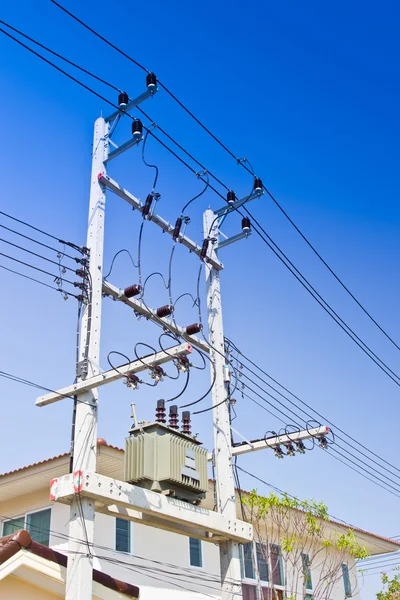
point(310, 94)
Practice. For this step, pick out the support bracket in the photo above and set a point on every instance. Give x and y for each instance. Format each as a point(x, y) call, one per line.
point(149, 313)
point(137, 366)
point(144, 506)
point(147, 94)
point(162, 223)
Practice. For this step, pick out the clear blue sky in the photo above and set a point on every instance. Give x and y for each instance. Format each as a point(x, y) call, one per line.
point(309, 93)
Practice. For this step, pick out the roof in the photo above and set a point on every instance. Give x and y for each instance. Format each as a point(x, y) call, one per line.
point(47, 460)
point(21, 540)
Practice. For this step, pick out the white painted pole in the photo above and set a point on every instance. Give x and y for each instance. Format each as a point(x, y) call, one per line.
point(79, 584)
point(226, 500)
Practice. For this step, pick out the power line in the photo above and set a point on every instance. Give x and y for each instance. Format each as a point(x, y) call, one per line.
point(336, 427)
point(89, 89)
point(241, 162)
point(70, 62)
point(18, 379)
point(21, 262)
point(78, 248)
point(336, 436)
point(264, 236)
point(38, 281)
point(389, 488)
point(53, 262)
point(27, 237)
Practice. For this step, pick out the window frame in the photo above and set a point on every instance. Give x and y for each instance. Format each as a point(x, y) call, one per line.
point(24, 516)
point(346, 580)
point(129, 535)
point(306, 564)
point(201, 566)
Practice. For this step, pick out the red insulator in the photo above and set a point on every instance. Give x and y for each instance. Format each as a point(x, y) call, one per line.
point(164, 311)
point(186, 425)
point(160, 411)
point(173, 417)
point(194, 328)
point(132, 290)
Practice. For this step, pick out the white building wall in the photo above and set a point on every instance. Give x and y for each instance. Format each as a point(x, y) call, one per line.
point(159, 560)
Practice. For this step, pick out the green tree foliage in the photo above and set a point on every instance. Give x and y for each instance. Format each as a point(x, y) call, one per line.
point(302, 529)
point(391, 588)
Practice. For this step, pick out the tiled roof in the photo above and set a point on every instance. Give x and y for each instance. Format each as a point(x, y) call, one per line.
point(47, 460)
point(21, 540)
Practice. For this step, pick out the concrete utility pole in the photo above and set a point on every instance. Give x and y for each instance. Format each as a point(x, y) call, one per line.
point(226, 499)
point(81, 525)
point(83, 486)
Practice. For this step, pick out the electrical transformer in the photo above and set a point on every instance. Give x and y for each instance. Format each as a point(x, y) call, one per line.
point(163, 459)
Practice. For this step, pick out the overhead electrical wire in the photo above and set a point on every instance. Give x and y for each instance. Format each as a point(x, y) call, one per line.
point(383, 366)
point(40, 243)
point(241, 162)
point(72, 245)
point(53, 262)
point(363, 473)
point(346, 435)
point(278, 252)
point(57, 289)
point(306, 285)
point(21, 262)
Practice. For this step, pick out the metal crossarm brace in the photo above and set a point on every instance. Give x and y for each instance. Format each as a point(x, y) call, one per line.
point(166, 512)
point(232, 239)
point(149, 313)
point(134, 141)
point(112, 375)
point(273, 442)
point(147, 94)
point(224, 210)
point(162, 223)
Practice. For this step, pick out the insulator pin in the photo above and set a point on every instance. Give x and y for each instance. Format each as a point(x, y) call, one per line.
point(246, 224)
point(177, 229)
point(160, 411)
point(151, 81)
point(173, 417)
point(186, 425)
point(204, 249)
point(132, 290)
point(164, 311)
point(123, 99)
point(137, 127)
point(258, 185)
point(147, 205)
point(194, 328)
point(230, 197)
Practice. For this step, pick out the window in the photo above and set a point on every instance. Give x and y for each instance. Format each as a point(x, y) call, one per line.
point(346, 581)
point(262, 561)
point(37, 523)
point(196, 558)
point(305, 560)
point(13, 525)
point(276, 565)
point(122, 535)
point(248, 561)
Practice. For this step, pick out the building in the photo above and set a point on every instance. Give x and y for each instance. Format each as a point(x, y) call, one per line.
point(161, 564)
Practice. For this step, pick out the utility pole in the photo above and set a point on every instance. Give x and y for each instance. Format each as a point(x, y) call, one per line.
point(226, 498)
point(83, 486)
point(81, 525)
